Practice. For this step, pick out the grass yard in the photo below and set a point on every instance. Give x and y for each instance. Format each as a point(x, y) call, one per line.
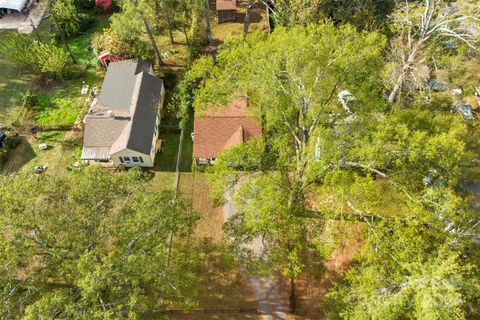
point(62, 150)
point(258, 21)
point(60, 102)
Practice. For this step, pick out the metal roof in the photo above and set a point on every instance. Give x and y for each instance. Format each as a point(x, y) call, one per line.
point(13, 4)
point(95, 153)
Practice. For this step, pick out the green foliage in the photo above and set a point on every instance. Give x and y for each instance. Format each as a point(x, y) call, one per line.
point(92, 245)
point(400, 173)
point(291, 80)
point(127, 35)
point(68, 16)
point(32, 56)
point(51, 60)
point(53, 110)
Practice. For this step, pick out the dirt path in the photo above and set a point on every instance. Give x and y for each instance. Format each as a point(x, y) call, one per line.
point(271, 293)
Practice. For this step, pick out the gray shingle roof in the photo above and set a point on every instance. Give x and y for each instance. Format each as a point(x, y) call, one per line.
point(103, 131)
point(128, 119)
point(119, 83)
point(143, 121)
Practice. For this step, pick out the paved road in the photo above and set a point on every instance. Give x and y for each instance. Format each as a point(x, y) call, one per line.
point(271, 294)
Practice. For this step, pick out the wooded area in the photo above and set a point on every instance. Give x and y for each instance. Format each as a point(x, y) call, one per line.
point(370, 133)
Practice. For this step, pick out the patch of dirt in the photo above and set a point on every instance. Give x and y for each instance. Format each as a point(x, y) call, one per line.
point(311, 292)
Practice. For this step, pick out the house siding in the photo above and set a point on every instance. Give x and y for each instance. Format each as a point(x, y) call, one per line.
point(148, 160)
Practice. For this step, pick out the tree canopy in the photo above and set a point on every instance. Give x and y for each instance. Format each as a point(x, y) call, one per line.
point(333, 152)
point(92, 245)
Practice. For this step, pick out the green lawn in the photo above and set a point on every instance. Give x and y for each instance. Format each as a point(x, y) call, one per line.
point(60, 101)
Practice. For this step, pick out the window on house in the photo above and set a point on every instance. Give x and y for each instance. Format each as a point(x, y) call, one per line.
point(126, 159)
point(121, 160)
point(141, 159)
point(135, 159)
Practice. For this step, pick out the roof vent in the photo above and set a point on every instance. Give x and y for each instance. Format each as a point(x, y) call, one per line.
point(110, 114)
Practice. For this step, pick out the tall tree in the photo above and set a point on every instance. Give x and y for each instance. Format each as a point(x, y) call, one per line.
point(418, 26)
point(206, 14)
point(291, 80)
point(91, 245)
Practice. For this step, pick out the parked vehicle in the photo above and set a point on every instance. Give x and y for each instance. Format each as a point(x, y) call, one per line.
point(464, 110)
point(2, 139)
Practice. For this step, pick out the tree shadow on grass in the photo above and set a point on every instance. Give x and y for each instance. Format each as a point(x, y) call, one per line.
point(19, 156)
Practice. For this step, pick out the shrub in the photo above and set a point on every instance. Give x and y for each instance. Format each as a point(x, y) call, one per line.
point(67, 15)
point(44, 59)
point(51, 60)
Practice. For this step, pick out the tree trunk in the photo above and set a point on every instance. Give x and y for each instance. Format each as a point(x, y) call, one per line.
point(396, 89)
point(60, 31)
point(207, 22)
point(154, 44)
point(293, 296)
point(169, 23)
point(185, 32)
point(246, 24)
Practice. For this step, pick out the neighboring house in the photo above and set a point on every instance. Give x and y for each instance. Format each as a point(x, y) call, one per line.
point(122, 127)
point(106, 57)
point(221, 128)
point(226, 10)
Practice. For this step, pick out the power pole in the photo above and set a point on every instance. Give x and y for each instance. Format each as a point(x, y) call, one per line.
point(150, 35)
point(154, 44)
point(60, 31)
point(36, 30)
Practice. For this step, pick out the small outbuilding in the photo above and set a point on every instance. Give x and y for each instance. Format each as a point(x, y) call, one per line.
point(106, 57)
point(103, 4)
point(226, 10)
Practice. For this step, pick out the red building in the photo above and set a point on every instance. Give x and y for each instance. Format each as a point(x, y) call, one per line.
point(103, 4)
point(106, 57)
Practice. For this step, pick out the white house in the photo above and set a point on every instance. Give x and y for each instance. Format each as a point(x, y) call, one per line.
point(122, 127)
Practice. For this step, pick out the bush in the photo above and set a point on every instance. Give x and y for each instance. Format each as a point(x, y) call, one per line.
point(67, 15)
point(86, 22)
point(44, 59)
point(195, 47)
point(51, 60)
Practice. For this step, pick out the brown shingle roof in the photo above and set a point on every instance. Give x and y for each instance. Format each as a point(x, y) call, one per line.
point(218, 129)
point(226, 5)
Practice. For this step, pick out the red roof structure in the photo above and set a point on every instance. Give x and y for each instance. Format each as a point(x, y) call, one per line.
point(103, 4)
point(222, 128)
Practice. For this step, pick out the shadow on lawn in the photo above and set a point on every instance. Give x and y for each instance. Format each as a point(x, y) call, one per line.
point(166, 160)
point(255, 17)
point(19, 156)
